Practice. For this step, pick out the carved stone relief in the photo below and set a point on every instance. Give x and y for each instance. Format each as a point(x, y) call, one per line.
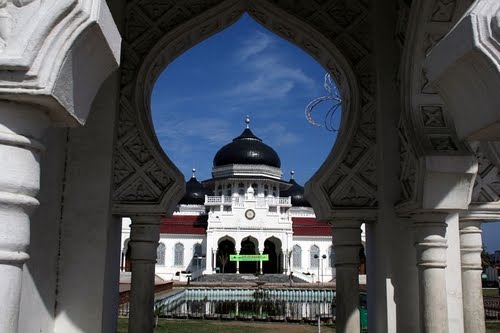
point(487, 184)
point(346, 24)
point(427, 128)
point(408, 163)
point(139, 165)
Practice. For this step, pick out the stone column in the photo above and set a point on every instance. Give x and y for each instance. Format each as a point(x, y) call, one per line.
point(21, 129)
point(470, 252)
point(144, 237)
point(214, 261)
point(347, 243)
point(237, 264)
point(260, 262)
point(431, 246)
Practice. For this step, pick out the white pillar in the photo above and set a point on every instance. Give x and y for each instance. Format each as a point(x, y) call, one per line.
point(431, 246)
point(144, 237)
point(208, 261)
point(237, 264)
point(214, 261)
point(347, 243)
point(21, 128)
point(470, 249)
point(260, 261)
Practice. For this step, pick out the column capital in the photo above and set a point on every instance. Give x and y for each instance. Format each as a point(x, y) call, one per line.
point(471, 245)
point(480, 215)
point(430, 241)
point(144, 237)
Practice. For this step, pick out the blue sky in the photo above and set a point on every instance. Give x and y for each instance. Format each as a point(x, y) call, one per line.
point(200, 101)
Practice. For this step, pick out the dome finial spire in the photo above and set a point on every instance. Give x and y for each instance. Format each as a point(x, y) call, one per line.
point(247, 121)
point(292, 173)
point(194, 173)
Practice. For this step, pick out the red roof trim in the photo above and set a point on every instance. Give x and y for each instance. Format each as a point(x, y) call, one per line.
point(184, 224)
point(309, 226)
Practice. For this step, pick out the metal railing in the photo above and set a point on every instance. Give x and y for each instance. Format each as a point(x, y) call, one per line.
point(491, 307)
point(238, 201)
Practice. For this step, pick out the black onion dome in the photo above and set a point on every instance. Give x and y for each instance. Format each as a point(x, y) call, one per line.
point(297, 193)
point(247, 149)
point(195, 193)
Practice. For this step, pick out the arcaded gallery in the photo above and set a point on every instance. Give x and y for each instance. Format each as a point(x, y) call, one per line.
point(415, 162)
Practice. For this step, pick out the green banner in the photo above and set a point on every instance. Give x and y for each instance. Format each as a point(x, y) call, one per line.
point(249, 257)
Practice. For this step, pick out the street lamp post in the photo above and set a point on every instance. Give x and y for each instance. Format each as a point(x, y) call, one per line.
point(323, 257)
point(316, 256)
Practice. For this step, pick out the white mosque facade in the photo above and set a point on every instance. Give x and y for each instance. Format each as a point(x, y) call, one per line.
point(245, 209)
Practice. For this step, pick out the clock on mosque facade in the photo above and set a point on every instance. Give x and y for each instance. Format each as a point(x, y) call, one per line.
point(250, 214)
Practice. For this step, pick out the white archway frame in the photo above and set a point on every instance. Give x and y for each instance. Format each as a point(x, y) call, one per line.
point(173, 43)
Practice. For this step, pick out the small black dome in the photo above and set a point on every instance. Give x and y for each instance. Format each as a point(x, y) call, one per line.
point(247, 149)
point(195, 193)
point(297, 193)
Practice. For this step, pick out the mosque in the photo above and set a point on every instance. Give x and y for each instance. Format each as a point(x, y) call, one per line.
point(245, 209)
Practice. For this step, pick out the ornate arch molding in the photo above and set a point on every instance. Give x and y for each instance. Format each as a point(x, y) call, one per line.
point(157, 32)
point(470, 54)
point(46, 48)
point(437, 168)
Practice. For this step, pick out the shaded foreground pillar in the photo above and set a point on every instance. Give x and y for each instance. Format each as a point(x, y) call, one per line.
point(471, 247)
point(21, 128)
point(347, 243)
point(144, 237)
point(431, 247)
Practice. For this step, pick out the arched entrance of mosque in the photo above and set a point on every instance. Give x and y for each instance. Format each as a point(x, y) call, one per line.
point(225, 249)
point(272, 247)
point(249, 245)
point(348, 181)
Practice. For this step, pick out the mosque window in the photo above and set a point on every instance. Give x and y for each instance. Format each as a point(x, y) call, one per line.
point(297, 256)
point(331, 257)
point(314, 256)
point(229, 193)
point(160, 254)
point(179, 255)
point(197, 250)
point(229, 186)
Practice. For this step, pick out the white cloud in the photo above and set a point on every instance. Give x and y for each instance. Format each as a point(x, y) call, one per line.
point(181, 135)
point(280, 135)
point(265, 75)
point(253, 46)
